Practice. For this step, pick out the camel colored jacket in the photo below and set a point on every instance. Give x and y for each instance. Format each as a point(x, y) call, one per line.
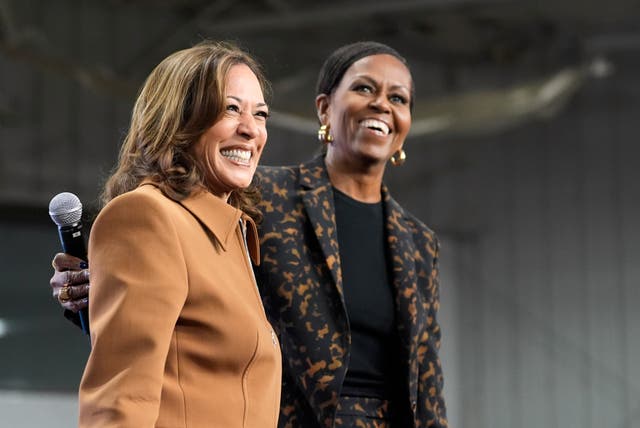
point(178, 331)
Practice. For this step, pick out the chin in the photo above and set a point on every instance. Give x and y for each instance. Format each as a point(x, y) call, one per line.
point(373, 157)
point(241, 183)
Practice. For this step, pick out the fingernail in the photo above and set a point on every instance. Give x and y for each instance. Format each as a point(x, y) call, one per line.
point(84, 265)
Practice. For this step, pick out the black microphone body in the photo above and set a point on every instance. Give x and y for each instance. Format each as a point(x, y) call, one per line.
point(72, 240)
point(65, 210)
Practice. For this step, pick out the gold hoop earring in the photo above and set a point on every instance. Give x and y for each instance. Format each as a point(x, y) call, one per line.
point(399, 160)
point(324, 134)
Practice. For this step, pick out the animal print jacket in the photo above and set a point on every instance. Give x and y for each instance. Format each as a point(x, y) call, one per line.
point(301, 284)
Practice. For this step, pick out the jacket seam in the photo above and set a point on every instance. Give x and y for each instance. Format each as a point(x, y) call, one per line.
point(245, 376)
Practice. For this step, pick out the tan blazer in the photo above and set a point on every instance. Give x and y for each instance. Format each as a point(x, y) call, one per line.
point(178, 332)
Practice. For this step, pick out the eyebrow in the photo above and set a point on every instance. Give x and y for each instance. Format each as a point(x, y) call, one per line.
point(240, 101)
point(372, 80)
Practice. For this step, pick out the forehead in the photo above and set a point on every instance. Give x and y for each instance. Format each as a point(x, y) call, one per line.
point(241, 79)
point(381, 67)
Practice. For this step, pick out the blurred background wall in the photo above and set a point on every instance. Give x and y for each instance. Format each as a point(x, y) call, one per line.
point(523, 157)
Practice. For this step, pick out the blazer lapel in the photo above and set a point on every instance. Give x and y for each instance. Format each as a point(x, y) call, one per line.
point(404, 276)
point(317, 197)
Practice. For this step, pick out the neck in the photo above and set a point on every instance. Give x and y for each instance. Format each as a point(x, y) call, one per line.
point(361, 182)
point(224, 195)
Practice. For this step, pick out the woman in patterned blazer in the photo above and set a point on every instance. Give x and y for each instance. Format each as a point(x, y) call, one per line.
point(349, 279)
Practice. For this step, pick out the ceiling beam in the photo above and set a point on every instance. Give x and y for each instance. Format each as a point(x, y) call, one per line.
point(328, 14)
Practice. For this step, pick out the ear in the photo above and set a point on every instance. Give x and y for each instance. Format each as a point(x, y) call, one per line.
point(322, 108)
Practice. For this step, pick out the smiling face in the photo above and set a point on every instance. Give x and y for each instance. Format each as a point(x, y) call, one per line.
point(231, 148)
point(369, 111)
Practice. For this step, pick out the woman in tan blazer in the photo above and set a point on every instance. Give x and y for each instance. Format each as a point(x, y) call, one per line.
point(178, 331)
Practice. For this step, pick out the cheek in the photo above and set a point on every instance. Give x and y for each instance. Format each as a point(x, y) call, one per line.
point(338, 119)
point(262, 141)
point(207, 154)
point(405, 121)
point(342, 128)
point(209, 162)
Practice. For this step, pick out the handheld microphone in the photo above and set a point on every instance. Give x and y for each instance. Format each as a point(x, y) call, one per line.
point(65, 210)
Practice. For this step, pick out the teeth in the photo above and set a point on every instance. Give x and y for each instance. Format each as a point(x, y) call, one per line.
point(376, 125)
point(237, 155)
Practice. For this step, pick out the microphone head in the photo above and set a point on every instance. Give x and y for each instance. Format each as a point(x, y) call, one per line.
point(65, 209)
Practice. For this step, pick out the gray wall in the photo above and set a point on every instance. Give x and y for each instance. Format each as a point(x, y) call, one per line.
point(541, 248)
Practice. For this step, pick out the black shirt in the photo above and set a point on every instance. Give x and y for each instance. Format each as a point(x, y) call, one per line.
point(368, 296)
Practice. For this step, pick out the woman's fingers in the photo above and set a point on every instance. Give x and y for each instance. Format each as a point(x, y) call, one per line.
point(76, 305)
point(77, 277)
point(70, 282)
point(63, 261)
point(72, 297)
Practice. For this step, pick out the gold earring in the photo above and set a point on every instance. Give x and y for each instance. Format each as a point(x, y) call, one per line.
point(399, 160)
point(324, 134)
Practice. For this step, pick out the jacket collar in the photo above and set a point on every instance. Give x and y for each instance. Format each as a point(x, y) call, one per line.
point(313, 174)
point(317, 196)
point(403, 254)
point(220, 218)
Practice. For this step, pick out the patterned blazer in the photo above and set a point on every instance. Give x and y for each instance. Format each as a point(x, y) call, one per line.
point(301, 284)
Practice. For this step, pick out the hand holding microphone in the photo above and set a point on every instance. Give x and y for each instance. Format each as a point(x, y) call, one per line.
point(70, 282)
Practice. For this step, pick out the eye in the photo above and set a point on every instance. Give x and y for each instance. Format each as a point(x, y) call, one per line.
point(233, 107)
point(262, 114)
point(398, 99)
point(363, 88)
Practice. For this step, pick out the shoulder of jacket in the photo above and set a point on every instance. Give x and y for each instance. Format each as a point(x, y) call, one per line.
point(142, 200)
point(419, 226)
point(145, 193)
point(276, 172)
point(419, 230)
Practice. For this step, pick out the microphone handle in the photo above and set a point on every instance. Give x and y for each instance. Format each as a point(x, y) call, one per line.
point(72, 240)
point(73, 243)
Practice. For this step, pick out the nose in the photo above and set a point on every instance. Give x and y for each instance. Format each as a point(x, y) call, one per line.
point(380, 103)
point(247, 126)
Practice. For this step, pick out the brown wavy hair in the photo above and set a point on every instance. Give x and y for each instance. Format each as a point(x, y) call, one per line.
point(182, 97)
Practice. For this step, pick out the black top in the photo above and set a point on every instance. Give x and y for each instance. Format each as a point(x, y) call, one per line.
point(368, 296)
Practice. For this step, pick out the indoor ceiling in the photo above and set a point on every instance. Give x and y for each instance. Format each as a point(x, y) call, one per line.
point(548, 47)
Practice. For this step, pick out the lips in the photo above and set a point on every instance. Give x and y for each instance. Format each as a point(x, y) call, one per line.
point(237, 155)
point(377, 126)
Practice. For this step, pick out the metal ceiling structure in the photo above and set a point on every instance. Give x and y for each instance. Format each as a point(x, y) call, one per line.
point(559, 45)
point(481, 67)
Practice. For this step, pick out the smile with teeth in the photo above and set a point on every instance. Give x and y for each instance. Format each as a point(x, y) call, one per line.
point(237, 155)
point(376, 126)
